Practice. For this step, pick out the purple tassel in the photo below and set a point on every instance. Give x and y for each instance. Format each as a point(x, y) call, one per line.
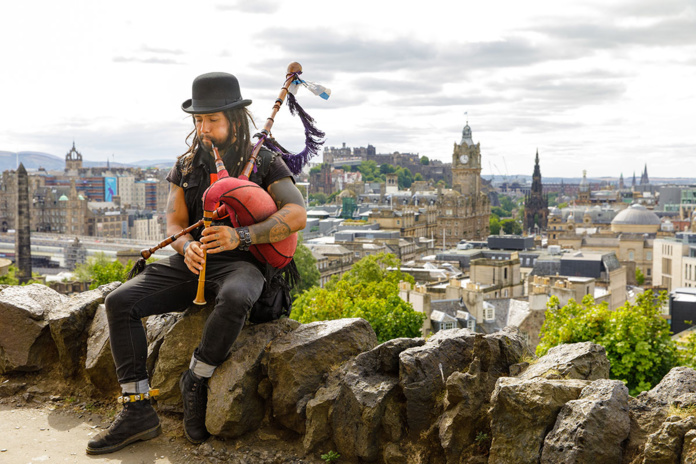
point(313, 138)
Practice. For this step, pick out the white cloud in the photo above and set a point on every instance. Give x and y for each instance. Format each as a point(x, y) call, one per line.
point(606, 84)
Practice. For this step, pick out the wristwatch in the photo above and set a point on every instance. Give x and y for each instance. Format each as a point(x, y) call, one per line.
point(244, 238)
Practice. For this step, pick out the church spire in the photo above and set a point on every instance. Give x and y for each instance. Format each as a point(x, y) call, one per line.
point(536, 204)
point(537, 170)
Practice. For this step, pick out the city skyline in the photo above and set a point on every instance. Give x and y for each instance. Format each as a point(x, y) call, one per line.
point(607, 88)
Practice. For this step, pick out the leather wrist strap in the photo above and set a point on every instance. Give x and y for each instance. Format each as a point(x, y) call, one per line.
point(244, 238)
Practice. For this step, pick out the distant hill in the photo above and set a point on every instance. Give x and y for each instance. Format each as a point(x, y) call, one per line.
point(31, 160)
point(34, 160)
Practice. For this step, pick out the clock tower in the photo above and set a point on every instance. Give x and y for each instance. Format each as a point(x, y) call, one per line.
point(464, 211)
point(466, 165)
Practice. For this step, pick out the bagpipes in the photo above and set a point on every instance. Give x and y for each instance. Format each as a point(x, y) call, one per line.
point(246, 202)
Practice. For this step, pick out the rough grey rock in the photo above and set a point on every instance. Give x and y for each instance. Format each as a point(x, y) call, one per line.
point(689, 448)
point(175, 355)
point(25, 337)
point(69, 322)
point(99, 364)
point(298, 362)
point(318, 426)
point(234, 405)
point(665, 445)
point(155, 328)
point(678, 381)
point(466, 403)
point(649, 410)
point(583, 361)
point(394, 454)
point(522, 411)
point(591, 428)
point(10, 388)
point(424, 370)
point(468, 394)
point(370, 390)
point(685, 401)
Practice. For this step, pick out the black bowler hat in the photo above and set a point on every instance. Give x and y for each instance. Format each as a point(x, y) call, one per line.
point(213, 92)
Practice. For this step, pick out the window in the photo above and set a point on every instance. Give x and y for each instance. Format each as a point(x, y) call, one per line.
point(471, 324)
point(631, 255)
point(447, 326)
point(489, 314)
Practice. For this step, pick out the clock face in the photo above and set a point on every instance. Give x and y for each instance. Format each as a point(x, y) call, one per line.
point(464, 159)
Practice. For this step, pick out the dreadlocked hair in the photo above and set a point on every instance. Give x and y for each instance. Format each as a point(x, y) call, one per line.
point(241, 145)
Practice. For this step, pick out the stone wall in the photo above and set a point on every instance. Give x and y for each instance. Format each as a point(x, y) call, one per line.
point(457, 397)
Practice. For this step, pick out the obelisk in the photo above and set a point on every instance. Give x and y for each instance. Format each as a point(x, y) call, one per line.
point(22, 232)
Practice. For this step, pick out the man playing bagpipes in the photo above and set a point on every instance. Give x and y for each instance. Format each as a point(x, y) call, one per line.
point(221, 259)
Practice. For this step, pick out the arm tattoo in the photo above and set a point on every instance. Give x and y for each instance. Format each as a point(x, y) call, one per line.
point(170, 200)
point(280, 225)
point(279, 232)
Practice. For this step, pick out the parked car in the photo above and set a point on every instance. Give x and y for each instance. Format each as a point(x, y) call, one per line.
point(464, 245)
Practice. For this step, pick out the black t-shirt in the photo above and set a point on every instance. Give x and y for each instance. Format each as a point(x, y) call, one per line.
point(197, 180)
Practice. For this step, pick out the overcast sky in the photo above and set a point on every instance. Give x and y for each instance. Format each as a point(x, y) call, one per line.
point(602, 85)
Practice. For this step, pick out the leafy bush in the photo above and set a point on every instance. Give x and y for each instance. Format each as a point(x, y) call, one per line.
point(636, 337)
point(370, 291)
point(101, 270)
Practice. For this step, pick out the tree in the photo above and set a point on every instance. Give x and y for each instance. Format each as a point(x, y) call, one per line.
point(333, 196)
point(369, 290)
point(494, 224)
point(10, 278)
point(511, 226)
point(687, 351)
point(405, 177)
point(418, 177)
point(640, 278)
point(307, 267)
point(636, 337)
point(387, 169)
point(369, 170)
point(424, 160)
point(318, 198)
point(507, 203)
point(101, 270)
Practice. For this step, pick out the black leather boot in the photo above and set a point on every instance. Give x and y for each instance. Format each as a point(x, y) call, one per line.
point(136, 421)
point(194, 393)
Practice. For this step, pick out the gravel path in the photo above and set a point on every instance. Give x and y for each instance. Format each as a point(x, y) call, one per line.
point(36, 432)
point(51, 435)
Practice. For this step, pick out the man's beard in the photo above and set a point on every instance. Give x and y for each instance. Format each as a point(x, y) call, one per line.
point(206, 144)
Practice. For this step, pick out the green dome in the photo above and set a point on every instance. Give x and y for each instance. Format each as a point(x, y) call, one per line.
point(63, 198)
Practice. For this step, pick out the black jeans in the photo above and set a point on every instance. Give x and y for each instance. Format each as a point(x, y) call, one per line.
point(168, 286)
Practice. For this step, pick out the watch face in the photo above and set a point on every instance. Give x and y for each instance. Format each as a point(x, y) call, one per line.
point(464, 158)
